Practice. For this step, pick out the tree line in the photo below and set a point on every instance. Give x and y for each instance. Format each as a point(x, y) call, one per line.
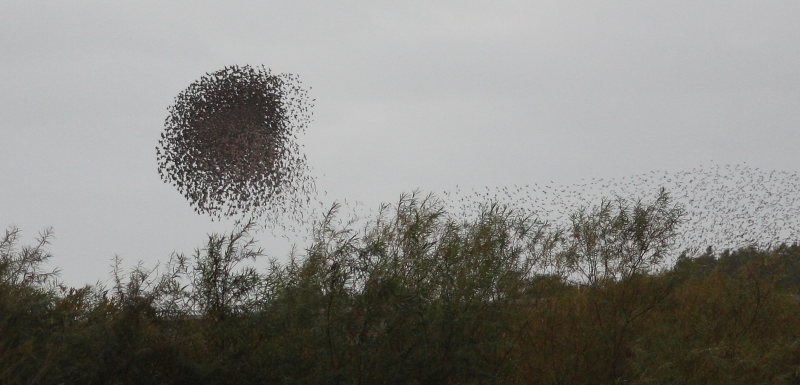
point(418, 295)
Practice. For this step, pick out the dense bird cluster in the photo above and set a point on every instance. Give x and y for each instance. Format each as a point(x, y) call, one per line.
point(230, 143)
point(727, 206)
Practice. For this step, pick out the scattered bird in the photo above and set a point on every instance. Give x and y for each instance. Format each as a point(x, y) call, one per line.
point(727, 206)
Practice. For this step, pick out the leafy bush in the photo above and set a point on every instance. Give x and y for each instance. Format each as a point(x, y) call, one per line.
point(418, 295)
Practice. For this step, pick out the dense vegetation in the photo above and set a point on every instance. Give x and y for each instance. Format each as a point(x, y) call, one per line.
point(419, 296)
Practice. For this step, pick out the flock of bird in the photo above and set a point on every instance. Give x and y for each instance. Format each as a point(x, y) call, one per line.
point(230, 147)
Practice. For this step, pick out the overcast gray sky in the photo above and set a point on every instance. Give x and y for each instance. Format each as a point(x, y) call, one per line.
point(410, 94)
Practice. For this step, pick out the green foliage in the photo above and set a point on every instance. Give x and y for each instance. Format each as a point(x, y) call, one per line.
point(417, 295)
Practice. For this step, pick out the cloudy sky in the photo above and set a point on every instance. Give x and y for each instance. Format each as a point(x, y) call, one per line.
point(411, 94)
